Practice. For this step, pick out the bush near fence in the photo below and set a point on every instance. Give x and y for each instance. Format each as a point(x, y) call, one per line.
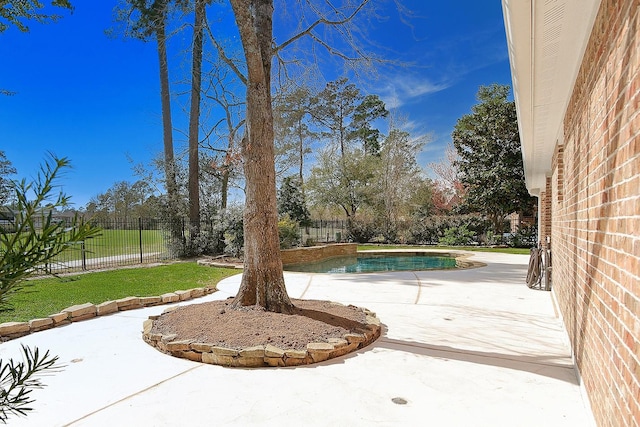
point(146, 240)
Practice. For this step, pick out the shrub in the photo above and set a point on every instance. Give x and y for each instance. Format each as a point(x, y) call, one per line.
point(525, 237)
point(360, 231)
point(457, 236)
point(232, 223)
point(430, 229)
point(289, 233)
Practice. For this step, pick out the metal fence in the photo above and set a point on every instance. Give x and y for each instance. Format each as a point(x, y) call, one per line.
point(120, 242)
point(323, 231)
point(147, 240)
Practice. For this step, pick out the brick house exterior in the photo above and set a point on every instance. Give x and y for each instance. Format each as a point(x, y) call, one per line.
point(576, 74)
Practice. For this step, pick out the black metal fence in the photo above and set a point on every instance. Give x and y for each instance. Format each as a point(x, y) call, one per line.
point(121, 242)
point(148, 240)
point(324, 231)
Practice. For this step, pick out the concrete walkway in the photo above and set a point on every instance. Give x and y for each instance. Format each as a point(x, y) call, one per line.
point(460, 348)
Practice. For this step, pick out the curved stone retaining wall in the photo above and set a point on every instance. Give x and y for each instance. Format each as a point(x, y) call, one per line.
point(317, 253)
point(263, 355)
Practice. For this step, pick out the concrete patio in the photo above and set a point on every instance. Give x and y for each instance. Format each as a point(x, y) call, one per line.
point(469, 347)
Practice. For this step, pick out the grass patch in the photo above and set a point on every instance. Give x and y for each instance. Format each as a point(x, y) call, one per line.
point(43, 297)
point(517, 251)
point(117, 242)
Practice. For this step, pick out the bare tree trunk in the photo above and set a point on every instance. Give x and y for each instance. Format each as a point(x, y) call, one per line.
point(224, 196)
point(262, 281)
point(167, 128)
point(301, 154)
point(194, 117)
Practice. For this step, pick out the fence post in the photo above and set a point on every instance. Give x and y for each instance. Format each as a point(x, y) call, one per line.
point(83, 251)
point(140, 236)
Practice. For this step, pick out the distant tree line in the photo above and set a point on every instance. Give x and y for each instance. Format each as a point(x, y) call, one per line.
point(334, 160)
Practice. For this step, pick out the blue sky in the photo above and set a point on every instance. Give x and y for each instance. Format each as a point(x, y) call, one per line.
point(96, 99)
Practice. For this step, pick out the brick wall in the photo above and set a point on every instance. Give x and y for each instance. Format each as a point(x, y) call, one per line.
point(595, 187)
point(317, 253)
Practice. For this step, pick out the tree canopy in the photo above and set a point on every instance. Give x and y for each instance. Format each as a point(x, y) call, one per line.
point(15, 13)
point(490, 160)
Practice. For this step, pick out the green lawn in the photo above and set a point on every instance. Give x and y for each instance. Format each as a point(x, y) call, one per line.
point(117, 242)
point(519, 251)
point(43, 297)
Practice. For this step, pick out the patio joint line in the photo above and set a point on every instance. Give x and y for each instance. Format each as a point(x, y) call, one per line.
point(130, 396)
point(419, 288)
point(307, 287)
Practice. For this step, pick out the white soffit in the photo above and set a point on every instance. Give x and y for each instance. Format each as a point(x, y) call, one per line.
point(546, 41)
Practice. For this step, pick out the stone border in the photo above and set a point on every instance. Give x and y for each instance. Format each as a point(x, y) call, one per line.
point(77, 313)
point(262, 355)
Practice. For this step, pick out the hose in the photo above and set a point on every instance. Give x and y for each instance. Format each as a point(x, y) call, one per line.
point(535, 268)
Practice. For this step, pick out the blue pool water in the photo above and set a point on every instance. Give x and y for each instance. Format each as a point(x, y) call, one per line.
point(372, 263)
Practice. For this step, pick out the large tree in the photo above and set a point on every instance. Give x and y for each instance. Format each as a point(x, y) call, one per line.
point(333, 109)
point(397, 179)
point(263, 282)
point(262, 279)
point(490, 160)
point(370, 109)
point(292, 130)
point(346, 182)
point(145, 20)
point(194, 113)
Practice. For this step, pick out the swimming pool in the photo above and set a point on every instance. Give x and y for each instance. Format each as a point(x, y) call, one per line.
point(378, 262)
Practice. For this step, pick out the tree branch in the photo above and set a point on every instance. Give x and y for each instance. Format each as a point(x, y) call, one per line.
point(223, 55)
point(323, 20)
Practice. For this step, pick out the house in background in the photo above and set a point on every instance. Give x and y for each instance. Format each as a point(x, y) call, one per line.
point(576, 77)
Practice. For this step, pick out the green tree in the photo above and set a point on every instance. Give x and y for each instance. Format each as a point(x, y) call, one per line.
point(6, 169)
point(347, 183)
point(291, 201)
point(396, 180)
point(490, 159)
point(347, 115)
point(370, 109)
point(333, 109)
point(124, 202)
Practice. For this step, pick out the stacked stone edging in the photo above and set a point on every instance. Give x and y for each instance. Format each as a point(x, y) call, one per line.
point(317, 253)
point(262, 355)
point(77, 313)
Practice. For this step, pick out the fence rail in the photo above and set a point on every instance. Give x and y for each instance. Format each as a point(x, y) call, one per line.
point(324, 231)
point(148, 240)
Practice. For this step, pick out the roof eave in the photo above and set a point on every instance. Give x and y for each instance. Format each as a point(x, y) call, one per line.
point(546, 43)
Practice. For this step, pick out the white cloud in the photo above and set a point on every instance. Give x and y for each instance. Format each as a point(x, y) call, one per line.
point(403, 89)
